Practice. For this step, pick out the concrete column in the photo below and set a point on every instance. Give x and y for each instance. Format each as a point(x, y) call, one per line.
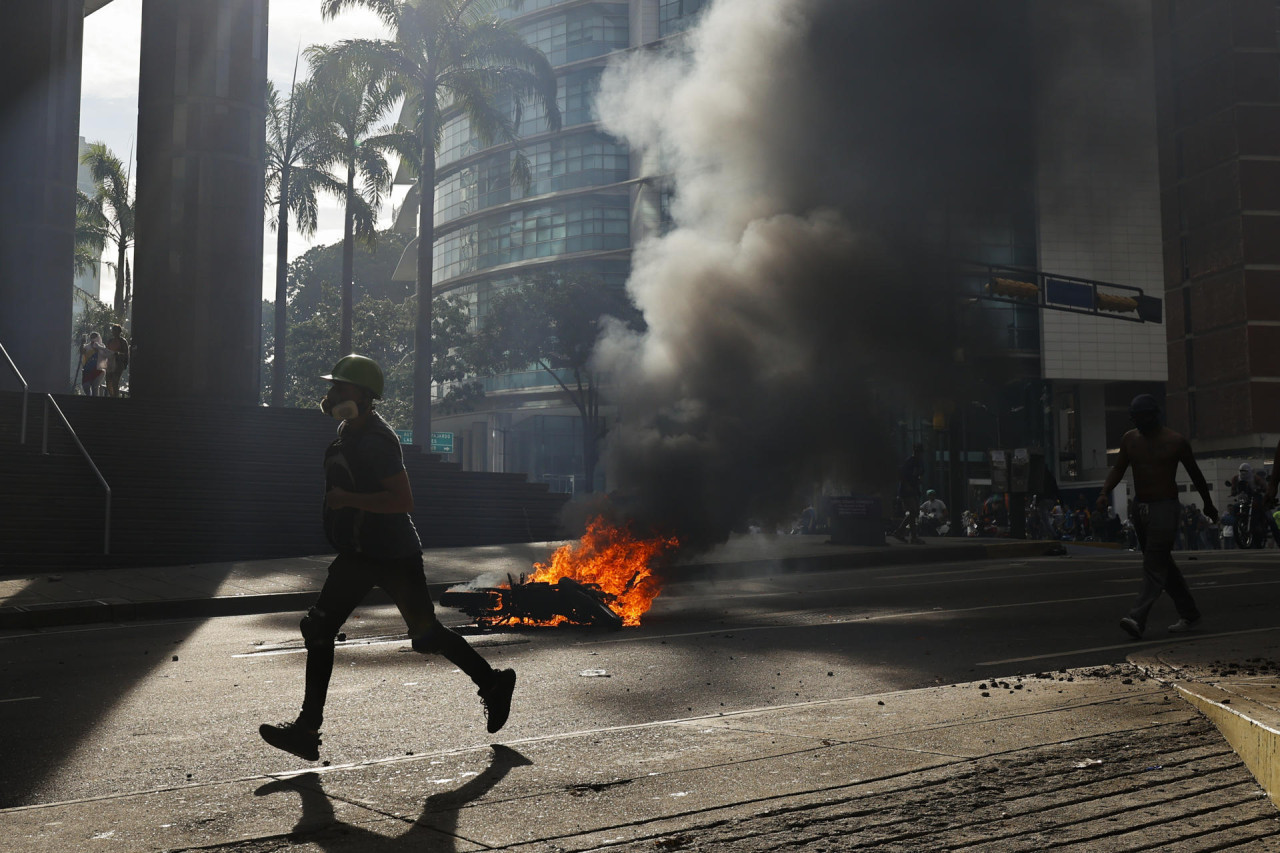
point(40, 56)
point(201, 138)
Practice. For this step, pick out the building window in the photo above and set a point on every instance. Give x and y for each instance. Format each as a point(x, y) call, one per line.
point(678, 15)
point(566, 162)
point(576, 95)
point(579, 33)
point(582, 224)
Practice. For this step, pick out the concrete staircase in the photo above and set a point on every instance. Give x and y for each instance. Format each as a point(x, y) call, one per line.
point(196, 483)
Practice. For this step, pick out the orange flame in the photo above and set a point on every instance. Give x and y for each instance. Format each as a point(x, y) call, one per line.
point(615, 560)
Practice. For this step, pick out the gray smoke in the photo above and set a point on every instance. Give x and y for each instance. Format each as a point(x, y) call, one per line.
point(817, 149)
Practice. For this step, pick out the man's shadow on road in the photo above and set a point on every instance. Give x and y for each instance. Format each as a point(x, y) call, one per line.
point(435, 828)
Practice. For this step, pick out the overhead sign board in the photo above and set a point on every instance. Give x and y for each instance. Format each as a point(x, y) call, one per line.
point(441, 442)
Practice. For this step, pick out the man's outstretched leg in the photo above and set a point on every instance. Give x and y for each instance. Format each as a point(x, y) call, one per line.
point(495, 686)
point(408, 588)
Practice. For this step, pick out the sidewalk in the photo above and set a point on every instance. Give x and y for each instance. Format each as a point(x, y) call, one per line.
point(1234, 680)
point(1084, 760)
point(1087, 759)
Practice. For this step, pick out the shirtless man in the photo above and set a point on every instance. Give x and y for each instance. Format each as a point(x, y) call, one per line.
point(1154, 451)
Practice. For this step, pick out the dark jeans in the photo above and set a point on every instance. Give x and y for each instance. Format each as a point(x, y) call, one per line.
point(911, 505)
point(1156, 523)
point(350, 579)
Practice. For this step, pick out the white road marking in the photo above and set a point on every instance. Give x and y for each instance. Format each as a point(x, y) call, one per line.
point(1132, 644)
point(827, 620)
point(268, 651)
point(20, 699)
point(484, 640)
point(781, 590)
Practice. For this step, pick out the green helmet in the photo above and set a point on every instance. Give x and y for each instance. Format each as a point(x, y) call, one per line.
point(358, 370)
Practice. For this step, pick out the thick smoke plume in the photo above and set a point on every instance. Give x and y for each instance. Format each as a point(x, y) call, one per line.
point(820, 152)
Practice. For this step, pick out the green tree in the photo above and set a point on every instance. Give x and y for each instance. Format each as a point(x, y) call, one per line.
point(91, 234)
point(113, 197)
point(453, 55)
point(351, 100)
point(383, 328)
point(296, 155)
point(553, 322)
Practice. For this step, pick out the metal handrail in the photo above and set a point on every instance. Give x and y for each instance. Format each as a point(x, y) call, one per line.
point(25, 389)
point(44, 451)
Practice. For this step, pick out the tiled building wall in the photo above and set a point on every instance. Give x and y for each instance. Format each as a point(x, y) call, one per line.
point(1098, 182)
point(1219, 76)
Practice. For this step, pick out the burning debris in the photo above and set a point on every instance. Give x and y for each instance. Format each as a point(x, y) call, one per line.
point(605, 578)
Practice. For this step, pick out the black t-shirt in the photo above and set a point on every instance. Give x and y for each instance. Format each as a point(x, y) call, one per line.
point(358, 461)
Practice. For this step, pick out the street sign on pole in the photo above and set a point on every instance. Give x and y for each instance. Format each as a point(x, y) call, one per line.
point(441, 442)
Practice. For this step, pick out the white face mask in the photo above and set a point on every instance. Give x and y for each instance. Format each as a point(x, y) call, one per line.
point(345, 411)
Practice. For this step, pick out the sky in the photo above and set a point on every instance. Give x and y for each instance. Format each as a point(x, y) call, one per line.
point(109, 93)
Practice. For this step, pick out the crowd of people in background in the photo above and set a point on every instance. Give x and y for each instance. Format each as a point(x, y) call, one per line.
point(1079, 522)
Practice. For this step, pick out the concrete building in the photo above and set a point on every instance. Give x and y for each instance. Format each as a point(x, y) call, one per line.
point(1219, 88)
point(198, 255)
point(1098, 217)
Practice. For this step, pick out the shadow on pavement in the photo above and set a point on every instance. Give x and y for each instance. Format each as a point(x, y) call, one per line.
point(434, 830)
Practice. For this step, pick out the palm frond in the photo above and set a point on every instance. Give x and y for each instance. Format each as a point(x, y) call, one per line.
point(388, 11)
point(365, 218)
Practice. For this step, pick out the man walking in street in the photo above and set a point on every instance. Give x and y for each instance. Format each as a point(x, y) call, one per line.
point(368, 501)
point(1154, 451)
point(909, 496)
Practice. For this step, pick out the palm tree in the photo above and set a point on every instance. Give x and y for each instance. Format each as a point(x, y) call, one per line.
point(350, 100)
point(296, 152)
point(455, 55)
point(91, 234)
point(113, 197)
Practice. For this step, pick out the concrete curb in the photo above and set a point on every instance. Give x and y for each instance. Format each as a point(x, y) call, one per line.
point(71, 613)
point(1252, 730)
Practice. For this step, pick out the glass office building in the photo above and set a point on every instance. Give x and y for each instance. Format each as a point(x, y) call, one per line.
point(584, 209)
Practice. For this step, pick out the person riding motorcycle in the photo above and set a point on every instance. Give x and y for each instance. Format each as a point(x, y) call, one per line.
point(1247, 481)
point(1248, 488)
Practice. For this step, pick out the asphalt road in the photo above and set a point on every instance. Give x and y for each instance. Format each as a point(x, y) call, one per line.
point(151, 706)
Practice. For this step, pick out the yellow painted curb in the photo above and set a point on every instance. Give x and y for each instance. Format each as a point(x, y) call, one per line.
point(1241, 722)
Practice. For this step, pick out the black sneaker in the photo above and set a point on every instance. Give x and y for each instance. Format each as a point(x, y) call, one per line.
point(292, 738)
point(1131, 627)
point(497, 698)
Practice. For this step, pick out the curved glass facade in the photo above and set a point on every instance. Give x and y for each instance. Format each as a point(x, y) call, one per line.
point(576, 215)
point(564, 162)
point(578, 33)
point(593, 222)
point(575, 96)
point(678, 15)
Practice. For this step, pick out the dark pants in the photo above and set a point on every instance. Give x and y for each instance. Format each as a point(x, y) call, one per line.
point(1156, 523)
point(911, 504)
point(351, 577)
